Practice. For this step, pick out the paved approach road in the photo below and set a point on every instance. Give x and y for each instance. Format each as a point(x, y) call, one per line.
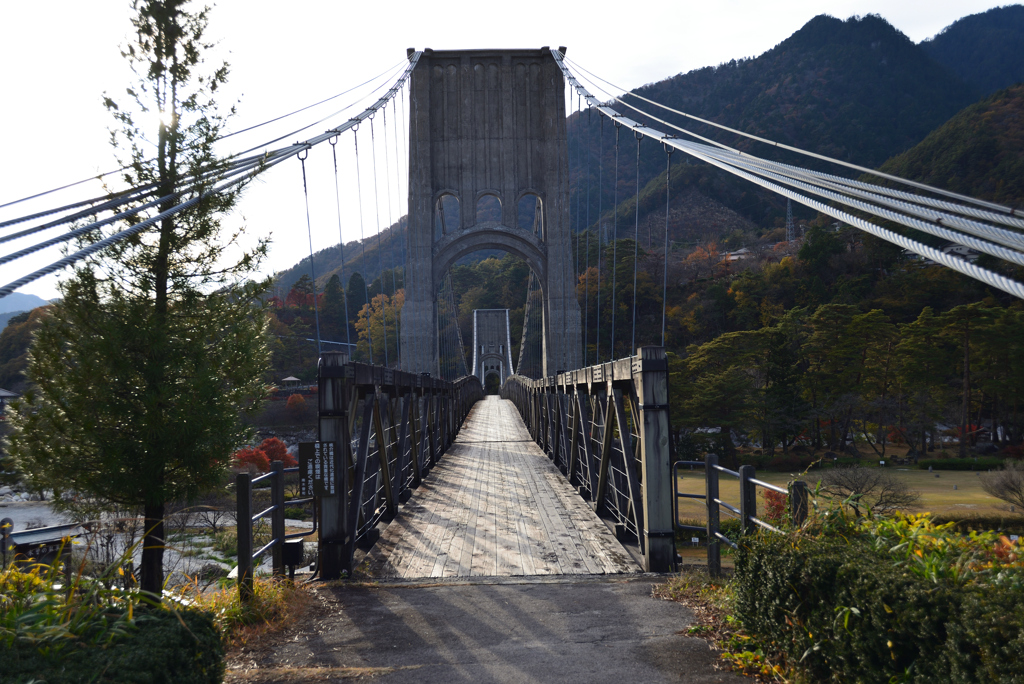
point(504, 630)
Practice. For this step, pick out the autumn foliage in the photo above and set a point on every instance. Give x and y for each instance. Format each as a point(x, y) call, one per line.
point(260, 458)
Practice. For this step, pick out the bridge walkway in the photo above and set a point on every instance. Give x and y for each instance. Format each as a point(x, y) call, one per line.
point(495, 505)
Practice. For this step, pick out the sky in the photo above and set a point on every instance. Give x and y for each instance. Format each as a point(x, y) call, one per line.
point(59, 57)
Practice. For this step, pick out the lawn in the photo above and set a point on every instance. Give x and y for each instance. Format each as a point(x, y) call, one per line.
point(951, 493)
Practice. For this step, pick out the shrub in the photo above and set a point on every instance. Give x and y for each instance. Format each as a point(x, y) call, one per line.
point(774, 505)
point(296, 403)
point(897, 599)
point(960, 463)
point(89, 633)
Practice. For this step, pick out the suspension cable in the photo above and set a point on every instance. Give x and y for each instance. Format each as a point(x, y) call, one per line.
point(341, 243)
point(712, 156)
point(219, 138)
point(260, 163)
point(312, 269)
point(922, 186)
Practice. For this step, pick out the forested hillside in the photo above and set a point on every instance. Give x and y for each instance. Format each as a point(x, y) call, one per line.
point(858, 90)
point(979, 152)
point(986, 50)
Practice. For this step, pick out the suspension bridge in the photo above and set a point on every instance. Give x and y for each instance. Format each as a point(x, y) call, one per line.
point(569, 472)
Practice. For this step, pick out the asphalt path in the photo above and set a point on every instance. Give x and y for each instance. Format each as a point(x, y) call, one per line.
point(507, 631)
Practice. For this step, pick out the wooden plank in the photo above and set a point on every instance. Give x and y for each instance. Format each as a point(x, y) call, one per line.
point(496, 505)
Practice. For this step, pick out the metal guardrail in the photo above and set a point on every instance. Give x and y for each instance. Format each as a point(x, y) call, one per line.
point(379, 428)
point(606, 428)
point(747, 510)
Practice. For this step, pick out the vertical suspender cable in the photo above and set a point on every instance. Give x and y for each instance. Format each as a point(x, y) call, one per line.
point(636, 238)
point(362, 244)
point(392, 228)
point(309, 231)
point(615, 233)
point(380, 250)
point(401, 164)
point(341, 244)
point(600, 234)
point(579, 169)
point(664, 278)
point(586, 278)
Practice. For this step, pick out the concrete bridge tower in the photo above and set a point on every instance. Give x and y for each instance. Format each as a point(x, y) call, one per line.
point(488, 169)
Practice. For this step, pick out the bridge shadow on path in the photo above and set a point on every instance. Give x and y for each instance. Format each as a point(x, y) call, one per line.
point(586, 630)
point(495, 506)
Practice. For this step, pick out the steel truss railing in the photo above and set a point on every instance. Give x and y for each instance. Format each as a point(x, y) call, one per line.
point(747, 510)
point(390, 428)
point(606, 428)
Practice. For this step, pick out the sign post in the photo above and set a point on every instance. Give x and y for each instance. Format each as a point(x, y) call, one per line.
point(329, 475)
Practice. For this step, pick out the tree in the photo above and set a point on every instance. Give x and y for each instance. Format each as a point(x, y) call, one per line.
point(873, 489)
point(1006, 484)
point(355, 295)
point(332, 316)
point(143, 371)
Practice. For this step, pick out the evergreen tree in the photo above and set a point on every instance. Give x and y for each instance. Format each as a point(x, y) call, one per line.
point(143, 371)
point(356, 295)
point(332, 315)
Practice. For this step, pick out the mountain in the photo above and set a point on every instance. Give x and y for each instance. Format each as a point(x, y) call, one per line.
point(986, 50)
point(328, 261)
point(18, 301)
point(858, 90)
point(978, 152)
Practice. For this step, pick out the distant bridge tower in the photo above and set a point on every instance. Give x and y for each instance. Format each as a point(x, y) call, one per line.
point(488, 169)
point(492, 353)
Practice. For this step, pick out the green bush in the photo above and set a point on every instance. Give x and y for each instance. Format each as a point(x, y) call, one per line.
point(865, 604)
point(164, 647)
point(986, 463)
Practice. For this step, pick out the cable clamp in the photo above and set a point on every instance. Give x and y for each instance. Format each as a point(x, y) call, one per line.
point(638, 134)
point(303, 153)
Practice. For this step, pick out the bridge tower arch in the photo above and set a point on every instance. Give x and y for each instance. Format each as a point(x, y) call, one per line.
point(487, 140)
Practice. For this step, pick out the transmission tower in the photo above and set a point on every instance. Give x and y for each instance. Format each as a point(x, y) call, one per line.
point(790, 227)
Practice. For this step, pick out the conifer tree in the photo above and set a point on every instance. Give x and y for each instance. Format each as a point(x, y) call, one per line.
point(142, 372)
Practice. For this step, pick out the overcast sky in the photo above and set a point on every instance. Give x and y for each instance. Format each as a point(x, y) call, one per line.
point(58, 58)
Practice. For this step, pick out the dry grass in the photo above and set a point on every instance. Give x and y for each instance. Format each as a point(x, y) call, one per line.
point(938, 495)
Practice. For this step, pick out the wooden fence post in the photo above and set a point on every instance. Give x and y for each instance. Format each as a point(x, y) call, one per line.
point(714, 547)
point(748, 499)
point(277, 517)
point(243, 524)
point(798, 500)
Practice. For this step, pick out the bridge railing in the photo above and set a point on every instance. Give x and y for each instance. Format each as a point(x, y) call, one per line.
point(389, 429)
point(606, 428)
point(746, 512)
point(380, 432)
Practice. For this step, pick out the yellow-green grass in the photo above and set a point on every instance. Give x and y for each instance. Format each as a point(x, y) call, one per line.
point(938, 495)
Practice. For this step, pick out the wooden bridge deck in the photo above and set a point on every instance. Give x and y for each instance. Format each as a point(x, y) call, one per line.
point(496, 506)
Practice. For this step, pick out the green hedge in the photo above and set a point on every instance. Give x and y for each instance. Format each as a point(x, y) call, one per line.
point(845, 612)
point(163, 649)
point(981, 463)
